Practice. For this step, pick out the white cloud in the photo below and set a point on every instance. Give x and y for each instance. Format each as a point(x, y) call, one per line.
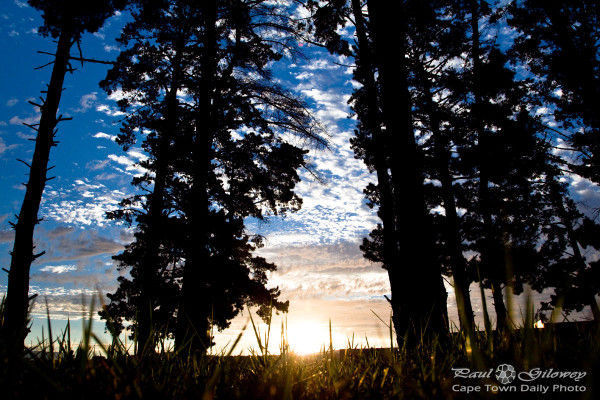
point(63, 303)
point(25, 136)
point(109, 177)
point(109, 48)
point(108, 110)
point(102, 135)
point(117, 95)
point(4, 147)
point(137, 154)
point(305, 75)
point(96, 165)
point(81, 204)
point(86, 102)
point(321, 64)
point(31, 120)
point(11, 102)
point(327, 97)
point(58, 269)
point(331, 104)
point(130, 165)
point(584, 191)
point(123, 160)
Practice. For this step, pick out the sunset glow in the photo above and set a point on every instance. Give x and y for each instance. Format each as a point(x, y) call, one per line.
point(308, 337)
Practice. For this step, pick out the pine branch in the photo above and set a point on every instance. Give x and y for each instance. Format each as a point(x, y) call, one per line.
point(61, 118)
point(29, 166)
point(35, 104)
point(45, 65)
point(81, 59)
point(32, 126)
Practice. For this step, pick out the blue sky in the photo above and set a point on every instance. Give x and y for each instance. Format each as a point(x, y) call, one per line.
point(321, 269)
point(316, 248)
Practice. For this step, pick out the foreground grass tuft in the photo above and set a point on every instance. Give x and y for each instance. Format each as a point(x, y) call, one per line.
point(55, 370)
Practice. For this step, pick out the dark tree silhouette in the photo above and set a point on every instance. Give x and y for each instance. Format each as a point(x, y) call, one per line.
point(490, 262)
point(437, 41)
point(65, 20)
point(559, 43)
point(480, 147)
point(151, 73)
point(416, 281)
point(504, 162)
point(498, 157)
point(217, 133)
point(568, 233)
point(404, 242)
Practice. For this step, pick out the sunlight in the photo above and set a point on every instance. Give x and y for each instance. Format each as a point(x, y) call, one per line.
point(307, 337)
point(539, 324)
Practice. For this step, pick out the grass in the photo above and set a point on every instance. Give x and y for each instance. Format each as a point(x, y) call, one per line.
point(55, 369)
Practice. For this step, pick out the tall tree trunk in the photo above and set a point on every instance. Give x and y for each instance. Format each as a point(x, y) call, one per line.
point(16, 308)
point(418, 293)
point(452, 234)
point(391, 255)
point(197, 297)
point(156, 205)
point(494, 270)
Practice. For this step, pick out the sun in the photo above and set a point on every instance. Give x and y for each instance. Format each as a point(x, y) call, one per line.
point(307, 337)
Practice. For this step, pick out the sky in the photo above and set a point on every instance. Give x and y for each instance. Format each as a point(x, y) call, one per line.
point(320, 266)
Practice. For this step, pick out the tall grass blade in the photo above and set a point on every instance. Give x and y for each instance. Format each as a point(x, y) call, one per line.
point(51, 341)
point(486, 316)
point(209, 390)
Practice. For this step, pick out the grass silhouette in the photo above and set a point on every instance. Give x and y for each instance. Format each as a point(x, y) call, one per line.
point(56, 369)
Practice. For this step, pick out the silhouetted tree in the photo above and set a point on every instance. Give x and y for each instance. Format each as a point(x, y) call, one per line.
point(385, 140)
point(480, 147)
point(151, 73)
point(559, 44)
point(226, 155)
point(567, 234)
point(437, 41)
point(491, 264)
point(65, 20)
point(558, 41)
point(506, 158)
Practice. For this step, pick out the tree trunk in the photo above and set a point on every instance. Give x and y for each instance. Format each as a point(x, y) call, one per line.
point(196, 302)
point(16, 308)
point(156, 205)
point(452, 234)
point(373, 123)
point(418, 292)
point(494, 270)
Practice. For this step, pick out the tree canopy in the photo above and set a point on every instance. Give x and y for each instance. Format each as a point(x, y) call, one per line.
point(220, 136)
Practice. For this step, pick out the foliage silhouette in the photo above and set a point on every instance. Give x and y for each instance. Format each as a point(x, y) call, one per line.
point(221, 139)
